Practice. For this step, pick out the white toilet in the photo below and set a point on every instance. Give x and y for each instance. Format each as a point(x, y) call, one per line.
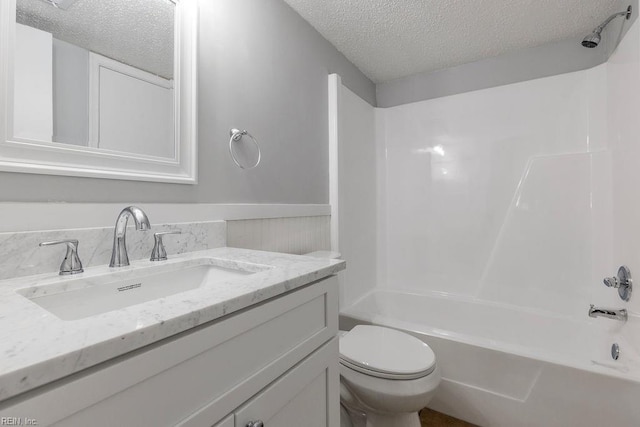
point(386, 376)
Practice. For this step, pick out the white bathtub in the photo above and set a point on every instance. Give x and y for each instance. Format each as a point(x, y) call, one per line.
point(508, 366)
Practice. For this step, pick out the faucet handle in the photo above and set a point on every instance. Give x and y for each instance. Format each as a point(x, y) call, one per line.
point(71, 263)
point(611, 282)
point(159, 253)
point(622, 282)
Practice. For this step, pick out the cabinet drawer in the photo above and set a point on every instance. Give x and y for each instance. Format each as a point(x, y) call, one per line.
point(227, 422)
point(301, 397)
point(216, 367)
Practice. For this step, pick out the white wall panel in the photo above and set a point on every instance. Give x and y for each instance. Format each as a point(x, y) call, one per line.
point(130, 110)
point(357, 194)
point(33, 86)
point(623, 106)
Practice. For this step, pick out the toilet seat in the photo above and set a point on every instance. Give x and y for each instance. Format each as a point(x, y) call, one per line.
point(385, 375)
point(386, 353)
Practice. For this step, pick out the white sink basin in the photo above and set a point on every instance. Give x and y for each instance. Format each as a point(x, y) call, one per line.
point(77, 298)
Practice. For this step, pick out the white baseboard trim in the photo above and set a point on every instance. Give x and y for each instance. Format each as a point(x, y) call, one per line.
point(56, 216)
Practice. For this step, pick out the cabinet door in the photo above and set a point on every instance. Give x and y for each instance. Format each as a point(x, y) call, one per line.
point(308, 395)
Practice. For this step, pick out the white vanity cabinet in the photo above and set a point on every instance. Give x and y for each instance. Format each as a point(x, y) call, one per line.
point(275, 362)
point(227, 422)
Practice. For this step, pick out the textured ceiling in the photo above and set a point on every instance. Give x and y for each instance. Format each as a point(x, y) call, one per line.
point(388, 39)
point(136, 32)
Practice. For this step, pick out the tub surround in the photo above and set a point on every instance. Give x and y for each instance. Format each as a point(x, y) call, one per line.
point(21, 255)
point(38, 347)
point(499, 213)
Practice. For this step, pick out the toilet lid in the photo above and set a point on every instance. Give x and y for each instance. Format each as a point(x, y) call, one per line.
point(386, 353)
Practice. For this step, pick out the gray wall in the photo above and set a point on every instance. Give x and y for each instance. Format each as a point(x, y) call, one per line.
point(527, 64)
point(70, 93)
point(263, 68)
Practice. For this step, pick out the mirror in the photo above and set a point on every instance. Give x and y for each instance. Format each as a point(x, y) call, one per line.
point(88, 75)
point(100, 88)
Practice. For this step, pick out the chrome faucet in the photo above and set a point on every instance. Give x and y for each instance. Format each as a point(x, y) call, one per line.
point(119, 257)
point(608, 313)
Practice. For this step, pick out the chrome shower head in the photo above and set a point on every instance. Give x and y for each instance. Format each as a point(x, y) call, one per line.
point(593, 39)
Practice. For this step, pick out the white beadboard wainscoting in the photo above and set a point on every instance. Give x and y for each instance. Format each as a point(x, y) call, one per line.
point(298, 235)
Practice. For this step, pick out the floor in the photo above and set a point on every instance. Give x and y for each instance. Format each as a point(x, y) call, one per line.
point(430, 418)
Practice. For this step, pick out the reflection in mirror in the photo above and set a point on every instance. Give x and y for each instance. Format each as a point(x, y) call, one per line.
point(96, 73)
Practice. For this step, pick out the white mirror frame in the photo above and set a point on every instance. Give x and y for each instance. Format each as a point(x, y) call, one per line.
point(39, 157)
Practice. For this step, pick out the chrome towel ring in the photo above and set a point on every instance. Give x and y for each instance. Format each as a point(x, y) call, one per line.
point(236, 135)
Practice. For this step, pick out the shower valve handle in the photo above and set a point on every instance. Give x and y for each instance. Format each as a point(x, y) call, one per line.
point(622, 283)
point(612, 282)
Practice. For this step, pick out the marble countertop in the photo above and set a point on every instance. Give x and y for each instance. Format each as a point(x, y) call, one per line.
point(37, 347)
